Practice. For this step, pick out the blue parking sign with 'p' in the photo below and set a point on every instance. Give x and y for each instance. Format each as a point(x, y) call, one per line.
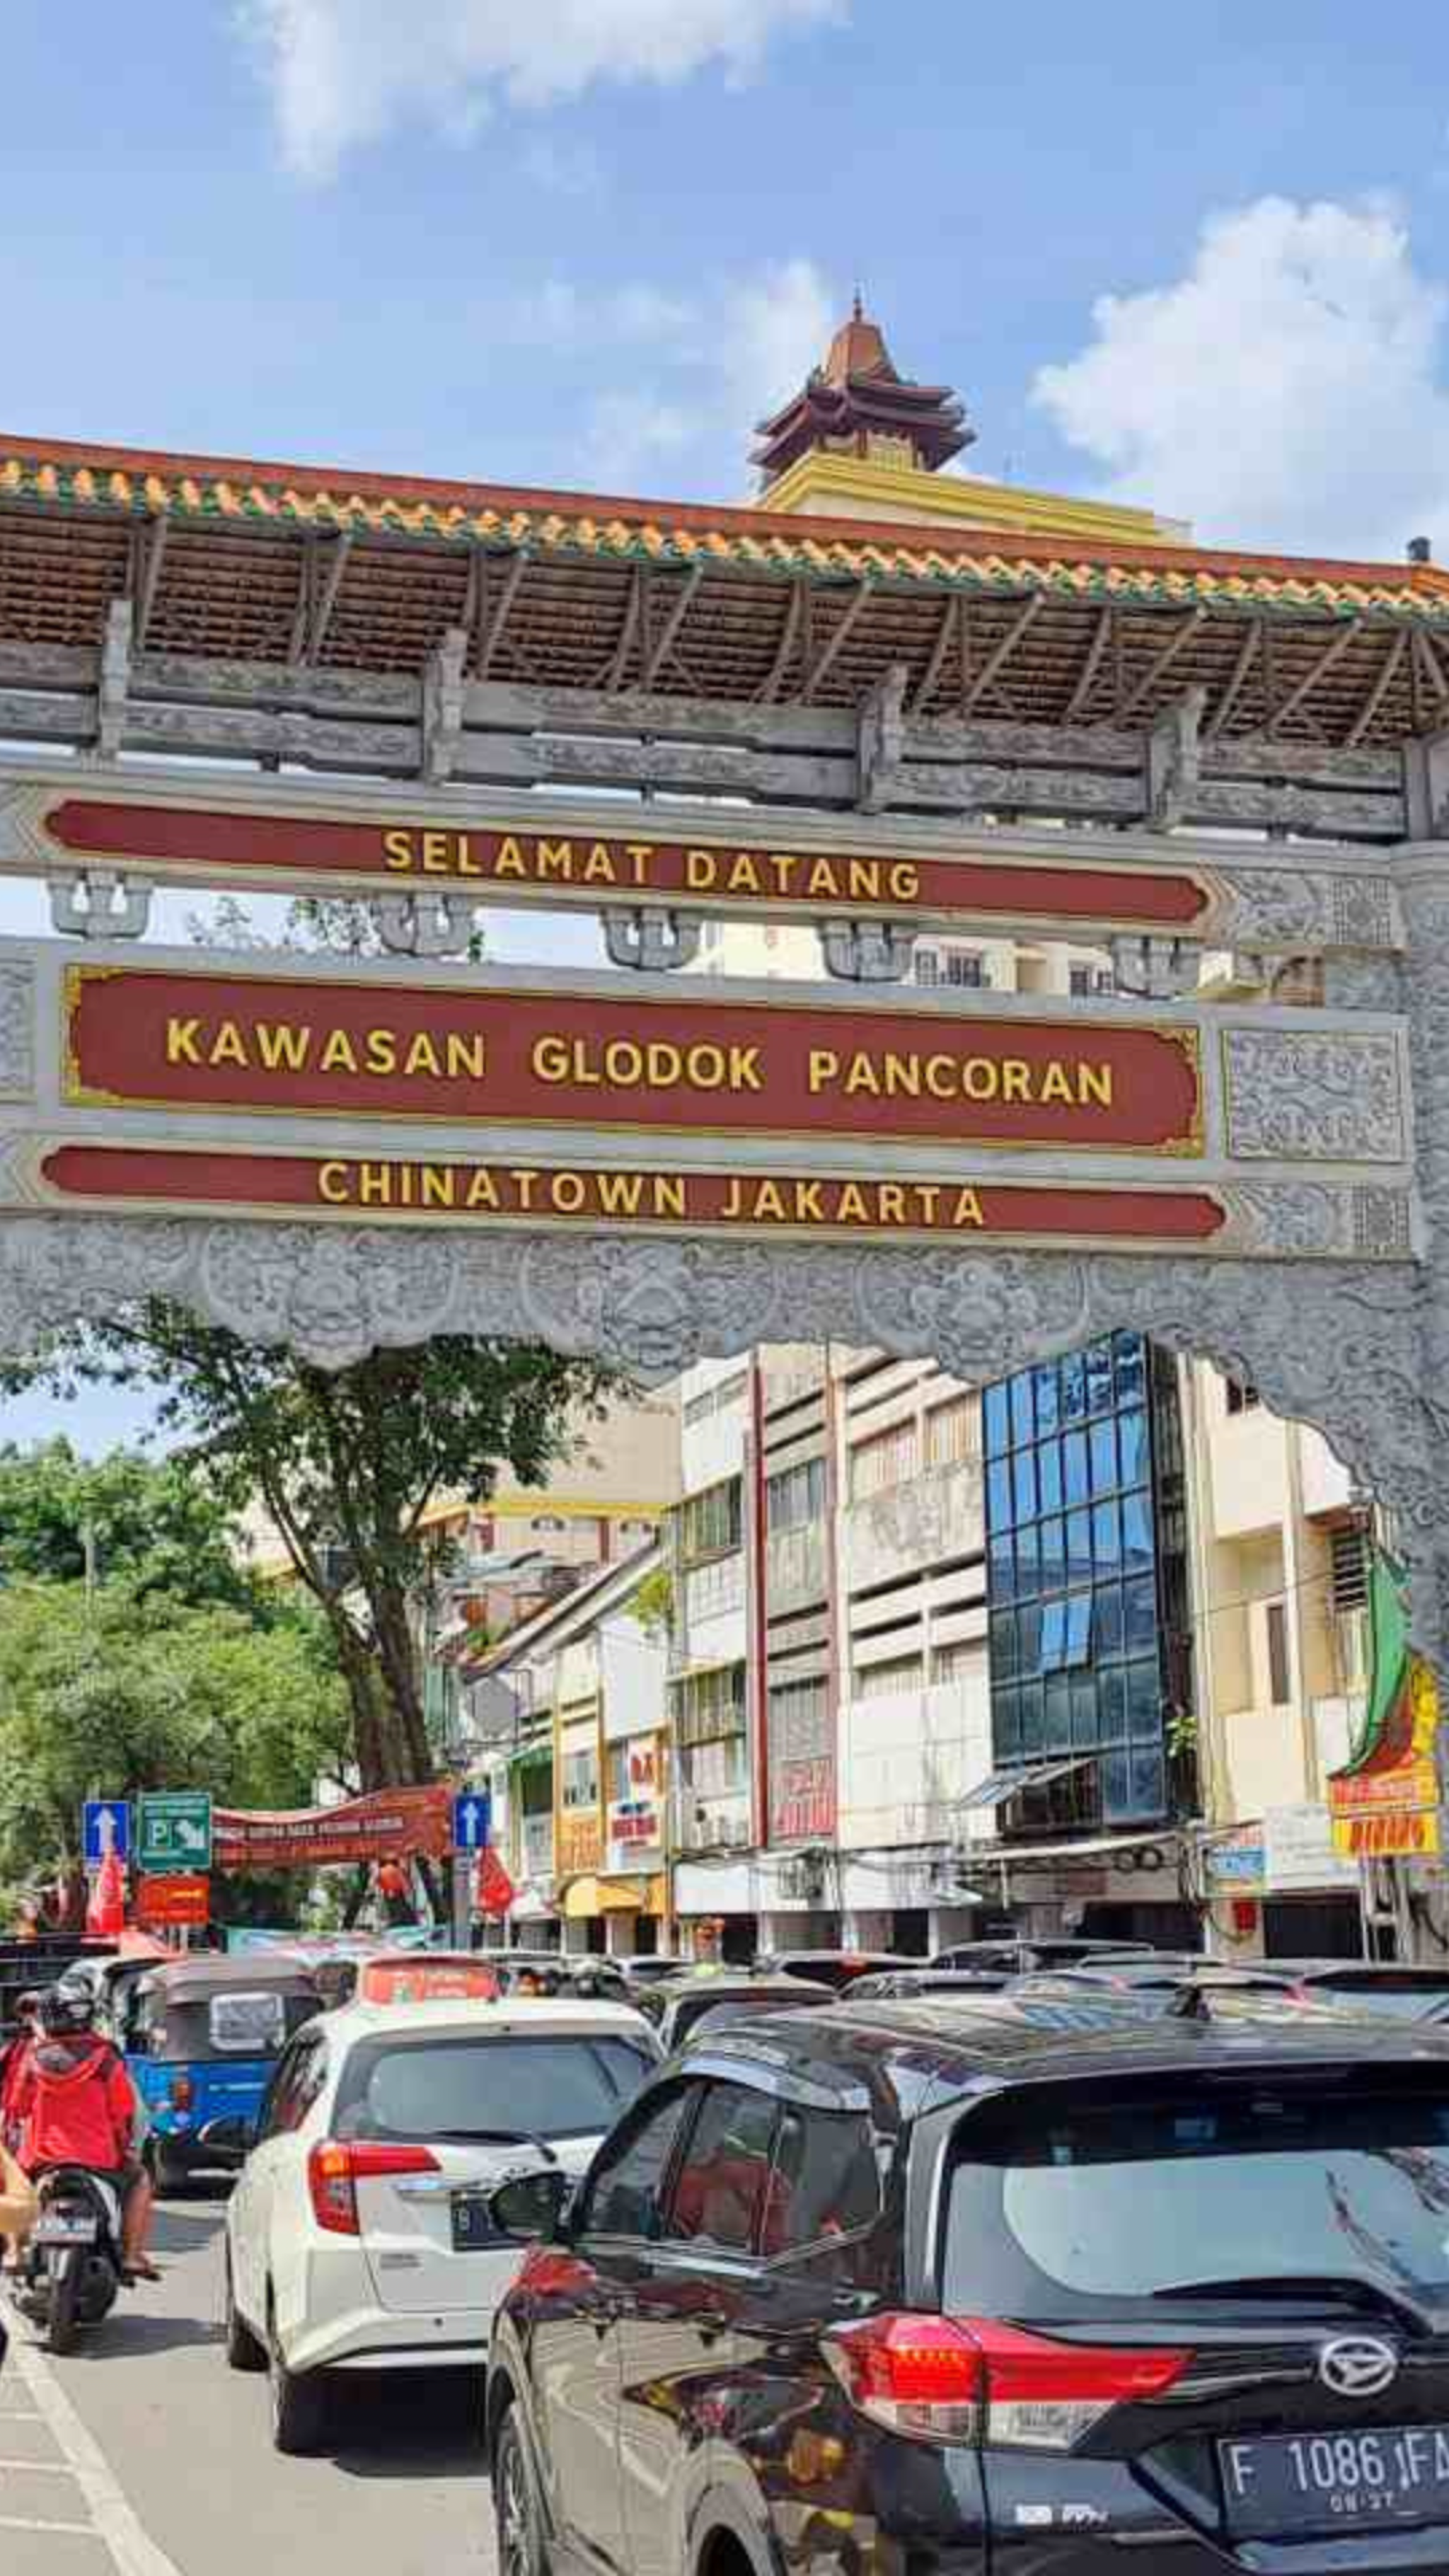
point(106, 1830)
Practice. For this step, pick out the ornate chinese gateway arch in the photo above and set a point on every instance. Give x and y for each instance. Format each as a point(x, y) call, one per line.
point(1230, 775)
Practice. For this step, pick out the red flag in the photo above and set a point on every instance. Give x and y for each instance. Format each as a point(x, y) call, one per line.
point(495, 1889)
point(106, 1912)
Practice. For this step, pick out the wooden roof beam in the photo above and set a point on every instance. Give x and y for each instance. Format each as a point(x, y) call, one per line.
point(1158, 668)
point(865, 592)
point(1334, 652)
point(1248, 650)
point(324, 588)
point(996, 660)
point(950, 620)
point(794, 618)
point(664, 643)
point(612, 675)
point(1101, 638)
point(146, 571)
point(1388, 672)
point(494, 614)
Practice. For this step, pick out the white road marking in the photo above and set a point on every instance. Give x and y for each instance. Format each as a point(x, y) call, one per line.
point(113, 2520)
point(76, 2530)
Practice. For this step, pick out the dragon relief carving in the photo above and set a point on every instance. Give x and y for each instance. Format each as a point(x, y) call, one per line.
point(1294, 1096)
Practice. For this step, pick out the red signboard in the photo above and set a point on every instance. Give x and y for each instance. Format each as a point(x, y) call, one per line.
point(174, 1901)
point(393, 1824)
point(166, 1037)
point(521, 862)
point(483, 1193)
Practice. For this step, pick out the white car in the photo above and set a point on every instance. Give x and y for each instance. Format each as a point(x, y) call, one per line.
point(358, 2235)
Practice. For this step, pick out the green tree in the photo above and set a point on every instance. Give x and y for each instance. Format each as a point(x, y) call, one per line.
point(112, 1691)
point(150, 1521)
point(346, 1465)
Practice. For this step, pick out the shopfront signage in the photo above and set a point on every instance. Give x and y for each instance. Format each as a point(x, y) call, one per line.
point(174, 1902)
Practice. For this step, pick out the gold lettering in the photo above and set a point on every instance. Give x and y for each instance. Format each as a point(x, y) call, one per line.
point(466, 1055)
point(903, 1073)
point(435, 854)
point(928, 1192)
point(967, 1210)
point(339, 1055)
point(669, 1194)
point(1094, 1085)
point(228, 1045)
point(283, 1048)
point(423, 1057)
point(892, 1200)
point(181, 1042)
point(374, 1185)
point(382, 1051)
point(852, 1209)
point(769, 1200)
point(620, 1193)
point(332, 1184)
point(942, 1077)
point(745, 1074)
point(784, 865)
point(567, 1192)
point(809, 1208)
point(862, 1076)
point(1015, 1079)
point(821, 1069)
point(639, 855)
point(439, 1185)
point(865, 880)
point(468, 866)
point(1055, 1082)
point(733, 1199)
point(481, 1192)
point(979, 1078)
point(397, 849)
point(552, 1060)
point(822, 880)
point(523, 1182)
point(744, 876)
point(510, 861)
point(554, 859)
point(905, 881)
point(701, 869)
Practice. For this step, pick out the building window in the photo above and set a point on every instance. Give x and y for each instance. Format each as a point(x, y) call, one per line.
point(796, 1495)
point(887, 1459)
point(1241, 1397)
point(716, 1399)
point(547, 1524)
point(962, 967)
point(1083, 1513)
point(886, 1681)
point(953, 1431)
point(710, 1704)
point(713, 1522)
point(960, 1662)
point(1349, 1552)
point(1280, 1691)
point(579, 1778)
point(1085, 981)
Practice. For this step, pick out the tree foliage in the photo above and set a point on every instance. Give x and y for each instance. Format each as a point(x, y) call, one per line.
point(148, 1522)
point(346, 1465)
point(115, 1690)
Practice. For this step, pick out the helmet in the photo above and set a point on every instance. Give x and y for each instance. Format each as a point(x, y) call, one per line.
point(64, 2013)
point(28, 2005)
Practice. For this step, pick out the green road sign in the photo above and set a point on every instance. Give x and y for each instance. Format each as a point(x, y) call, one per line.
point(174, 1830)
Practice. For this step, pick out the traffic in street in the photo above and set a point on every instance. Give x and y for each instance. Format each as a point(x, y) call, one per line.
point(143, 2455)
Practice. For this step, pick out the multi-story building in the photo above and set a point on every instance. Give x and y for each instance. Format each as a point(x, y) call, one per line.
point(565, 1720)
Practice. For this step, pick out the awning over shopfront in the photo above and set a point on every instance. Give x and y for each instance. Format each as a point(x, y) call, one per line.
point(1001, 1785)
point(530, 1905)
point(590, 1896)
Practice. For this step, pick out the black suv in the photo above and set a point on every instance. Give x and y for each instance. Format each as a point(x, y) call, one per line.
point(882, 2286)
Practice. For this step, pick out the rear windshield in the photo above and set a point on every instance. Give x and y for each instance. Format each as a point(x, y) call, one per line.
point(1409, 2001)
point(1071, 2204)
point(457, 2087)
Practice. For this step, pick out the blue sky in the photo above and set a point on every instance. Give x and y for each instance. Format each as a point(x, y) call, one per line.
point(1194, 257)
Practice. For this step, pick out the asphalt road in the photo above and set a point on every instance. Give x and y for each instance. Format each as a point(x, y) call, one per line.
point(144, 2436)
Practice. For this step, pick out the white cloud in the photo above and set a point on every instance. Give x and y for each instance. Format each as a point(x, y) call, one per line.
point(344, 72)
point(1288, 392)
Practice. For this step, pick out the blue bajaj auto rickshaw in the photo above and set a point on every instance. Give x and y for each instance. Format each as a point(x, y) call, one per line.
point(203, 2040)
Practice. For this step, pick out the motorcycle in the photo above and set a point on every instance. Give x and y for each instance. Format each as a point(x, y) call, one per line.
point(71, 2272)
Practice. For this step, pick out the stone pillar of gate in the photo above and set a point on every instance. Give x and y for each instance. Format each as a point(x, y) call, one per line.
point(1422, 874)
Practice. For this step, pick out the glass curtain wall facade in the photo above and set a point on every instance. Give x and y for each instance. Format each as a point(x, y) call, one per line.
point(1087, 1582)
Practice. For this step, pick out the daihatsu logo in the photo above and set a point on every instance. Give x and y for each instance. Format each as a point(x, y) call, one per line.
point(1357, 2365)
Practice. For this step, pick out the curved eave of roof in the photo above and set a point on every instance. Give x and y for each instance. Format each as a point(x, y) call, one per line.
point(69, 479)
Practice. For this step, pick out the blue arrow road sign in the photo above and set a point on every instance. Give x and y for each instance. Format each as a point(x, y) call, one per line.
point(472, 1813)
point(107, 1823)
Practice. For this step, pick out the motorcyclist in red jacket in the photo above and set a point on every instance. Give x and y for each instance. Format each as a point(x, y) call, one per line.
point(76, 2105)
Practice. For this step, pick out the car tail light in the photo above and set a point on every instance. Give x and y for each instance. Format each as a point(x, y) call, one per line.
point(963, 2379)
point(335, 2169)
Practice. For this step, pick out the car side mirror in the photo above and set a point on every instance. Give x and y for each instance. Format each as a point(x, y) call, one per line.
point(529, 2206)
point(230, 2141)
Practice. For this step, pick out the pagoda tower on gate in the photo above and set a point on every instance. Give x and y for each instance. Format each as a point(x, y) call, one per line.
point(862, 441)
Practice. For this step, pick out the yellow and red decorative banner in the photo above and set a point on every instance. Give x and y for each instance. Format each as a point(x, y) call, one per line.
point(1384, 1803)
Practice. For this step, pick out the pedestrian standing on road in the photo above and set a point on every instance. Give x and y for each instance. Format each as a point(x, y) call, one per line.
point(392, 1887)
